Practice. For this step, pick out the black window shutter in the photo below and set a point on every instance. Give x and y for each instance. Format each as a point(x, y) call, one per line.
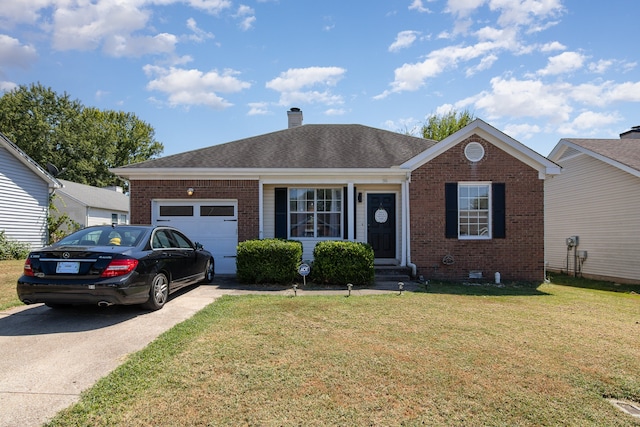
point(498, 210)
point(281, 213)
point(345, 213)
point(451, 210)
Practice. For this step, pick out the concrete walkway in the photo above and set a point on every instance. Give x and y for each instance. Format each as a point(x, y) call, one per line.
point(50, 356)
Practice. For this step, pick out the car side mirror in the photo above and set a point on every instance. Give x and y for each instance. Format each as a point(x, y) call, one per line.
point(198, 246)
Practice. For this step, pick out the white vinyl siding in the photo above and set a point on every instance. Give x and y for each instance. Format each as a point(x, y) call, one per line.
point(24, 202)
point(600, 204)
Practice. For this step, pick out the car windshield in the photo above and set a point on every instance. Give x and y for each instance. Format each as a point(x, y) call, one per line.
point(107, 236)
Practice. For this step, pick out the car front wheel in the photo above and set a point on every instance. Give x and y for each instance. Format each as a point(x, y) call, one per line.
point(158, 293)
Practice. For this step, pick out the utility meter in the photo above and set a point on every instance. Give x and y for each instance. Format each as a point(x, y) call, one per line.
point(572, 241)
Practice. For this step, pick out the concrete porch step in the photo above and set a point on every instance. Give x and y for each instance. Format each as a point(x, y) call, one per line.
point(392, 273)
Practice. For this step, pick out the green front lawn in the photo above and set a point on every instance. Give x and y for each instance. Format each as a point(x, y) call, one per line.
point(9, 273)
point(454, 355)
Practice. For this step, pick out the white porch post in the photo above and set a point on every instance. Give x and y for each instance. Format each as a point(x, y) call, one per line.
point(351, 227)
point(260, 210)
point(404, 222)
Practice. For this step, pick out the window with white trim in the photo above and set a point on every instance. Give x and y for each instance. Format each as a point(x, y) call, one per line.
point(315, 212)
point(474, 213)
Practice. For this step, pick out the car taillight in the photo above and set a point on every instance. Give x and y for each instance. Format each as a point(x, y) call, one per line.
point(120, 267)
point(28, 271)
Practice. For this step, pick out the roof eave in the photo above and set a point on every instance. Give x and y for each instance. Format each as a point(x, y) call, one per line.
point(563, 144)
point(24, 158)
point(249, 173)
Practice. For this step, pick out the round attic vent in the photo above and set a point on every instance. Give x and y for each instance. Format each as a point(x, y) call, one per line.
point(474, 151)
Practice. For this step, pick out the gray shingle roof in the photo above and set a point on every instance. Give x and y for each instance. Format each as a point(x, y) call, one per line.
point(95, 197)
point(625, 151)
point(306, 146)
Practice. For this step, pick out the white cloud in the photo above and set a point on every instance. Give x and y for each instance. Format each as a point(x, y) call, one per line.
point(7, 86)
point(296, 85)
point(85, 27)
point(246, 16)
point(194, 87)
point(335, 112)
point(199, 35)
point(211, 6)
point(485, 64)
point(258, 109)
point(417, 5)
point(553, 46)
point(411, 77)
point(119, 46)
point(15, 54)
point(24, 11)
point(121, 28)
point(563, 63)
point(524, 98)
point(522, 131)
point(588, 122)
point(404, 39)
point(297, 78)
point(525, 12)
point(627, 92)
point(463, 8)
point(601, 66)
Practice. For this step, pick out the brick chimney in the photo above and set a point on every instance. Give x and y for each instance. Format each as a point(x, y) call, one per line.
point(634, 133)
point(295, 117)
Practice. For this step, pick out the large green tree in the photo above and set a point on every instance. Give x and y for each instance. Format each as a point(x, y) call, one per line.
point(440, 126)
point(83, 142)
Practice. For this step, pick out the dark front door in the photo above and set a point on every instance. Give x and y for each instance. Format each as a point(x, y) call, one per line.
point(381, 224)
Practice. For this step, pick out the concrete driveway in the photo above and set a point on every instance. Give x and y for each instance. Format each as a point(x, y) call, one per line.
point(48, 357)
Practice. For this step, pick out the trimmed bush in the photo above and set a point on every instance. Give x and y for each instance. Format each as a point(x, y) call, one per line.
point(10, 249)
point(340, 263)
point(268, 261)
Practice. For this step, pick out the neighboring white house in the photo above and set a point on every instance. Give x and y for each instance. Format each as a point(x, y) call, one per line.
point(24, 196)
point(592, 209)
point(89, 205)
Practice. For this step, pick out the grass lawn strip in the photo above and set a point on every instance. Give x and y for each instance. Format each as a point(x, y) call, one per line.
point(552, 357)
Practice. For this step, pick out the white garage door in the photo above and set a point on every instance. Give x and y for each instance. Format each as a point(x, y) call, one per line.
point(212, 223)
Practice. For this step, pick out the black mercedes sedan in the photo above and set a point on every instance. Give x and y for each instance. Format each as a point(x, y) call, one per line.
point(119, 264)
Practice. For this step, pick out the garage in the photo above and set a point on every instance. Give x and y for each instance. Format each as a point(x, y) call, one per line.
point(212, 223)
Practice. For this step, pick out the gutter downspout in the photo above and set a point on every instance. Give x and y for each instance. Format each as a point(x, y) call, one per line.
point(407, 222)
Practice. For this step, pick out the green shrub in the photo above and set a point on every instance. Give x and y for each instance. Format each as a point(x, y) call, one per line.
point(10, 249)
point(268, 261)
point(340, 263)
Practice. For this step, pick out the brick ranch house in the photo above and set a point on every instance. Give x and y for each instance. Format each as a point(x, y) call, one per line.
point(468, 206)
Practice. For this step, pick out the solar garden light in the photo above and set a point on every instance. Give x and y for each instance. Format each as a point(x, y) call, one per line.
point(349, 286)
point(295, 290)
point(400, 287)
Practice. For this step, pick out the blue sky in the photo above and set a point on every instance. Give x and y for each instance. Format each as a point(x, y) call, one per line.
point(204, 72)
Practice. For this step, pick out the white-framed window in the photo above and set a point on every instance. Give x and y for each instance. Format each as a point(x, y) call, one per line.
point(315, 212)
point(118, 219)
point(474, 210)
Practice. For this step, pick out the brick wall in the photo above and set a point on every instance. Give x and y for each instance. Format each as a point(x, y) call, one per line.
point(519, 256)
point(142, 192)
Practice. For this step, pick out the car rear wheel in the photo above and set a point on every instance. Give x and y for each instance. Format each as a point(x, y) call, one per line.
point(209, 272)
point(158, 293)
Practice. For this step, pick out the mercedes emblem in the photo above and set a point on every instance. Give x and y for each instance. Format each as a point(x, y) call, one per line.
point(66, 255)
